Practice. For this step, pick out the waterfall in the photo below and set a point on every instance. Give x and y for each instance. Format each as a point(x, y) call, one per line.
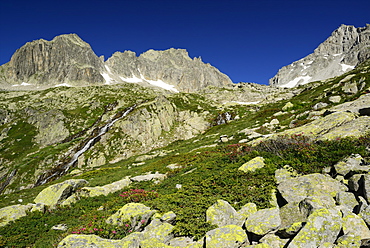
point(102, 131)
point(59, 171)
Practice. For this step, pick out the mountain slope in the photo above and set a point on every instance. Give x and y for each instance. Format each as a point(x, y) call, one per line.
point(201, 170)
point(346, 48)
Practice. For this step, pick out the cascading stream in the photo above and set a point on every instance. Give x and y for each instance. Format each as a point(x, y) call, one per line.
point(64, 168)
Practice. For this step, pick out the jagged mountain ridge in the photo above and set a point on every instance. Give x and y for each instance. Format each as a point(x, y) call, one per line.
point(68, 60)
point(346, 48)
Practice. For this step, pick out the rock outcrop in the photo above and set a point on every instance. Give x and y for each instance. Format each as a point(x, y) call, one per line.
point(342, 51)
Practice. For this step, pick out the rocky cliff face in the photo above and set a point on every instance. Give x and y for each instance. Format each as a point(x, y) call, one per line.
point(65, 60)
point(172, 68)
point(342, 51)
point(68, 60)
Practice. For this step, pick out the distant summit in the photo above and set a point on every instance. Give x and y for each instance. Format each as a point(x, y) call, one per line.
point(342, 51)
point(69, 61)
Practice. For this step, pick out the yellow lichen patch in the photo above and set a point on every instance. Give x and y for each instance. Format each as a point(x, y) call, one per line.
point(75, 241)
point(263, 221)
point(323, 226)
point(13, 212)
point(252, 165)
point(57, 193)
point(153, 243)
point(129, 212)
point(227, 236)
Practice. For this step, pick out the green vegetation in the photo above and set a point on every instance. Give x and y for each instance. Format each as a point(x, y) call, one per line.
point(204, 169)
point(206, 175)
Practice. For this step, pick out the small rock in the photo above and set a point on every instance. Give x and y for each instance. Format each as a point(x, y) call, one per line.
point(149, 177)
point(350, 88)
point(60, 227)
point(335, 99)
point(169, 217)
point(319, 105)
point(287, 106)
point(224, 138)
point(173, 166)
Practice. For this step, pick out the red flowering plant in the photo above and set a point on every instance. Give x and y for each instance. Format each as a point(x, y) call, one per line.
point(98, 226)
point(138, 195)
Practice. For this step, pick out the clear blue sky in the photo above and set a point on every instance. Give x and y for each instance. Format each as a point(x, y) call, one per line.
point(247, 40)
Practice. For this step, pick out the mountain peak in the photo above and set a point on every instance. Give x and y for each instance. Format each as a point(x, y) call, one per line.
point(343, 50)
point(74, 38)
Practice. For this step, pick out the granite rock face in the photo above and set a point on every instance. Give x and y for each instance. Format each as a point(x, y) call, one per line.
point(172, 68)
point(347, 47)
point(66, 59)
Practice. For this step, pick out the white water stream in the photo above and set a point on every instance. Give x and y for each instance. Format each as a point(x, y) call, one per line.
point(89, 144)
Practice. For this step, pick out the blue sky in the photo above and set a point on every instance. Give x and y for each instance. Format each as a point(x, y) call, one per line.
point(247, 40)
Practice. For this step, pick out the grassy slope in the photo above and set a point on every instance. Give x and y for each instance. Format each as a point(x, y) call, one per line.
point(206, 174)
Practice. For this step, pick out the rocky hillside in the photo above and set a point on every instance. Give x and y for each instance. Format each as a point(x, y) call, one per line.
point(245, 165)
point(69, 61)
point(346, 48)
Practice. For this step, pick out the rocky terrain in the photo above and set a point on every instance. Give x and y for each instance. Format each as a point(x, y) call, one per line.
point(118, 162)
point(346, 48)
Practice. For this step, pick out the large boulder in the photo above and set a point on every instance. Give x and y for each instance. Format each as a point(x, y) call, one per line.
point(77, 241)
point(106, 189)
point(263, 221)
point(347, 199)
point(252, 165)
point(247, 210)
point(354, 225)
point(322, 227)
point(158, 230)
point(136, 213)
point(230, 236)
point(354, 163)
point(57, 193)
point(319, 186)
point(222, 213)
point(13, 212)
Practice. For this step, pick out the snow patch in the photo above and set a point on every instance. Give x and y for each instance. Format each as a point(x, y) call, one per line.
point(107, 78)
point(161, 84)
point(295, 81)
point(158, 83)
point(133, 79)
point(337, 54)
point(22, 84)
point(310, 62)
point(64, 84)
point(347, 67)
point(108, 69)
